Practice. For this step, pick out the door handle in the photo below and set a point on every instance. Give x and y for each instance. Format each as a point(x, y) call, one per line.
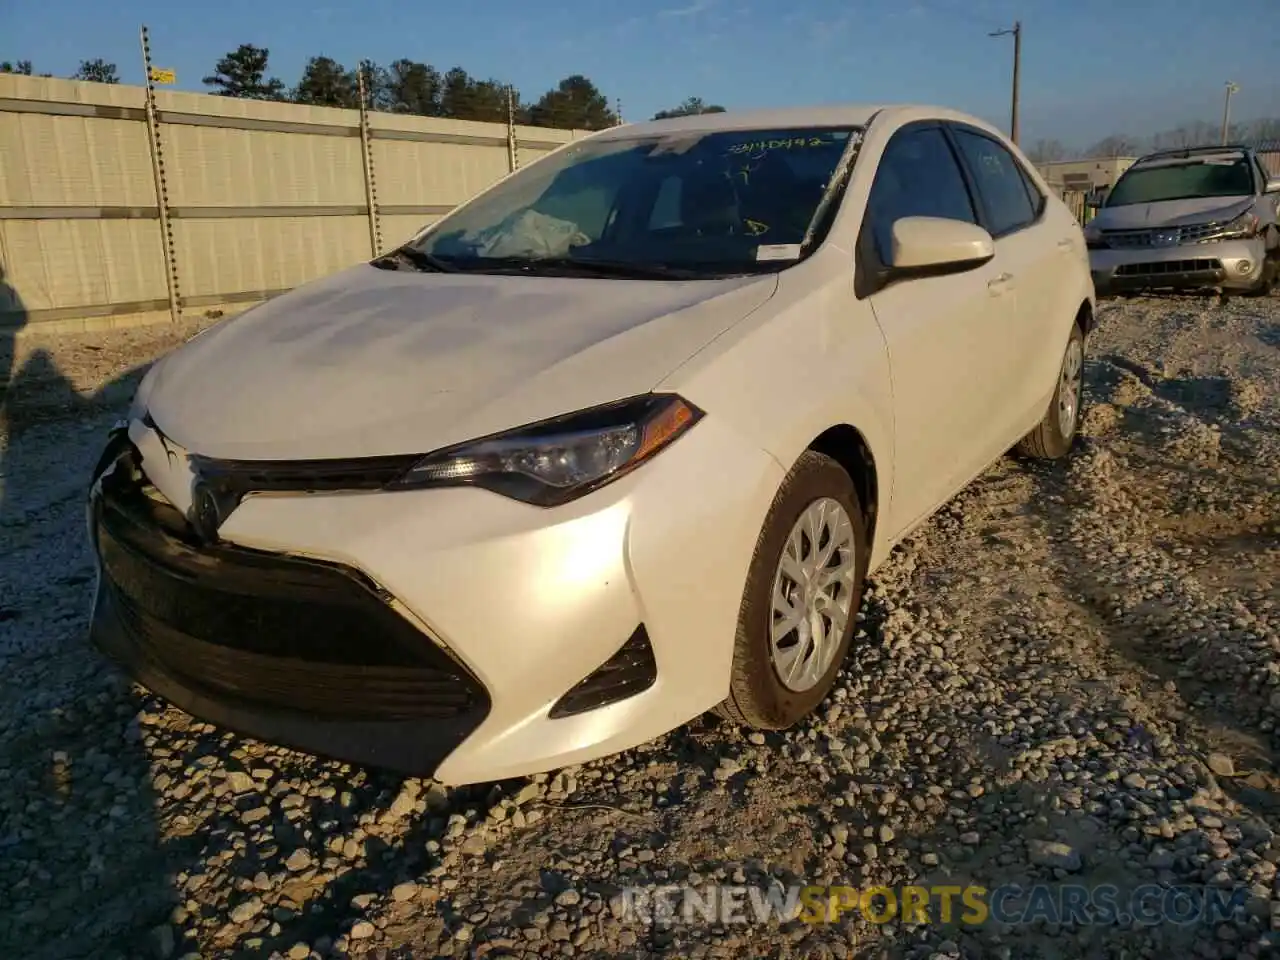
point(1066, 245)
point(1000, 285)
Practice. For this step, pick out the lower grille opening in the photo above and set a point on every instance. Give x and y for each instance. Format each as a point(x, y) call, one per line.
point(281, 633)
point(630, 671)
point(1162, 267)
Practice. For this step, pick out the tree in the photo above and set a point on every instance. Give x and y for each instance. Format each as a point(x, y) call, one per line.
point(326, 83)
point(414, 87)
point(377, 86)
point(1046, 151)
point(242, 73)
point(1204, 133)
point(1197, 134)
point(491, 101)
point(574, 104)
point(1116, 145)
point(454, 91)
point(1262, 129)
point(691, 107)
point(96, 71)
point(21, 68)
point(464, 98)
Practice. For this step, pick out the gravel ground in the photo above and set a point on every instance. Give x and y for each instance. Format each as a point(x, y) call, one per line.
point(1071, 674)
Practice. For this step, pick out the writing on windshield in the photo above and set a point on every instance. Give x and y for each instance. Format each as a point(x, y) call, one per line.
point(705, 201)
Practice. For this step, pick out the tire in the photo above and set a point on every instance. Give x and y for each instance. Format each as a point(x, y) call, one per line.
point(1051, 439)
point(758, 696)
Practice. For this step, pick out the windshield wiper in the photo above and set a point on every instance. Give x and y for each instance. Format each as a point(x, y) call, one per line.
point(638, 269)
point(558, 266)
point(415, 259)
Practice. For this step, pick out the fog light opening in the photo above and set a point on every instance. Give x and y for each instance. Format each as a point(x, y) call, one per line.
point(1244, 266)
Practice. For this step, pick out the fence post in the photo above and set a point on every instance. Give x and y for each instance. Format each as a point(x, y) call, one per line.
point(370, 178)
point(162, 190)
point(513, 160)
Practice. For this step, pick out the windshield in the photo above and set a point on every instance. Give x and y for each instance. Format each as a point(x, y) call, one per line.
point(674, 206)
point(1183, 181)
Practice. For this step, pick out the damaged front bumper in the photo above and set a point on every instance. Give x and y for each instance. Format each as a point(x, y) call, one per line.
point(1227, 265)
point(298, 652)
point(450, 633)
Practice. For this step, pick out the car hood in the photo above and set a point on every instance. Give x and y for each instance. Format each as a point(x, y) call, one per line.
point(1172, 213)
point(373, 362)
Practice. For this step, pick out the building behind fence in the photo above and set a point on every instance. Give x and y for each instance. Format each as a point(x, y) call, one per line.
point(111, 210)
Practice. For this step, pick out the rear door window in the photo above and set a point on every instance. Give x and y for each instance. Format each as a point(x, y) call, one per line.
point(1002, 185)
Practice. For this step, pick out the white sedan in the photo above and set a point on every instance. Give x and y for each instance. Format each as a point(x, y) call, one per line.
point(613, 444)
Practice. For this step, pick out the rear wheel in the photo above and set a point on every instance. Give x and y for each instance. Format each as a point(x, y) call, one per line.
point(1054, 435)
point(801, 600)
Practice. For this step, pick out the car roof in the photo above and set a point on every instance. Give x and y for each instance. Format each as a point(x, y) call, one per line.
point(1175, 158)
point(781, 118)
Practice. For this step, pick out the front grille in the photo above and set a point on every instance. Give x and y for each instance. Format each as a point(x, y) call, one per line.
point(1156, 237)
point(230, 481)
point(1165, 267)
point(630, 671)
point(263, 629)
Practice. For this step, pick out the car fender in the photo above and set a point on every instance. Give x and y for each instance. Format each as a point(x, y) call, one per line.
point(813, 358)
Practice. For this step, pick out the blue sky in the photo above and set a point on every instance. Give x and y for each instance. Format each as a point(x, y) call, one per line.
point(1090, 67)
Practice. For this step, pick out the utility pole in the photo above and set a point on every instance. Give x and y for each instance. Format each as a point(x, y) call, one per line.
point(1226, 109)
point(156, 143)
point(1016, 33)
point(513, 160)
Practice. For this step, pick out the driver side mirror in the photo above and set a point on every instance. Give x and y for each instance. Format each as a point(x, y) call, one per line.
point(930, 246)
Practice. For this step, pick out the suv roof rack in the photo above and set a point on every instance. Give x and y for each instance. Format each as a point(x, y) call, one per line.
point(1194, 151)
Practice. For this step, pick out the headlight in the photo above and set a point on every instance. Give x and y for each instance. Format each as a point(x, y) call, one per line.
point(555, 461)
point(1242, 227)
point(1093, 237)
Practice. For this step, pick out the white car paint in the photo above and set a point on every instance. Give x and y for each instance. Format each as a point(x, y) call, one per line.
point(368, 362)
point(940, 375)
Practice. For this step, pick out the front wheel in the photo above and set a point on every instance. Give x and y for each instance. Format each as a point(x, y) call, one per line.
point(801, 600)
point(1053, 437)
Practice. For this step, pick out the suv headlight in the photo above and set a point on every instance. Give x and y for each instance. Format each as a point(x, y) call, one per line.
point(1093, 237)
point(1242, 227)
point(556, 461)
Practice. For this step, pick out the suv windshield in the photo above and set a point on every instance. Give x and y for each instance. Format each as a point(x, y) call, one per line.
point(675, 206)
point(1183, 181)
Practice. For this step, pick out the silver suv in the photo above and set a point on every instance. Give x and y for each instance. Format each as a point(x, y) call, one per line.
point(1206, 217)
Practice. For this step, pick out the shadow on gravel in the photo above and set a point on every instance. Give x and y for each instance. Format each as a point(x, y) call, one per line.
point(128, 830)
point(1147, 636)
point(82, 863)
point(1094, 800)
